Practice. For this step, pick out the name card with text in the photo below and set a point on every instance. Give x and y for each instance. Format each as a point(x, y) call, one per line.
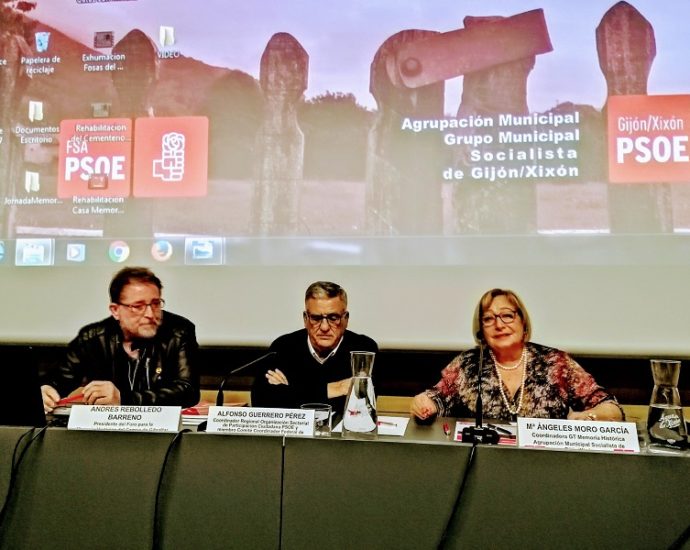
point(260, 421)
point(124, 418)
point(578, 435)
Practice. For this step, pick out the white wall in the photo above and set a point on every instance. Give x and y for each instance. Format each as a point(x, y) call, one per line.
point(611, 310)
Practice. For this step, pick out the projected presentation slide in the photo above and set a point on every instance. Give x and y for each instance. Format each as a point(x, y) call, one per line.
point(355, 133)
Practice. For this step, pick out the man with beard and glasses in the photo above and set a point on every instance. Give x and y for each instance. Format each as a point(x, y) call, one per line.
point(140, 355)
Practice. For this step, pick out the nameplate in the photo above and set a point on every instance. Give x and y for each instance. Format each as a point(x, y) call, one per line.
point(124, 418)
point(580, 435)
point(260, 421)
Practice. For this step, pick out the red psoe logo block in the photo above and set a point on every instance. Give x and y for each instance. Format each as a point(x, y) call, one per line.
point(649, 138)
point(171, 157)
point(95, 157)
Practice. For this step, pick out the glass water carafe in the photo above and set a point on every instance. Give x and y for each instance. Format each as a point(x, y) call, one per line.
point(665, 422)
point(359, 416)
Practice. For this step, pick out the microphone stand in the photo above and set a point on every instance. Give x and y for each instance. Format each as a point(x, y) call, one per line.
point(220, 398)
point(478, 433)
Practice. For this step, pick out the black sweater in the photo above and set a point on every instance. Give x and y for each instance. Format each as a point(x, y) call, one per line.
point(307, 378)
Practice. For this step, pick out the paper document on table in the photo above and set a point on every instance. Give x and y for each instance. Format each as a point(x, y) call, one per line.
point(387, 425)
point(392, 425)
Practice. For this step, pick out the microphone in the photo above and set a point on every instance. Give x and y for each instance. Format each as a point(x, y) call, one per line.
point(220, 398)
point(478, 433)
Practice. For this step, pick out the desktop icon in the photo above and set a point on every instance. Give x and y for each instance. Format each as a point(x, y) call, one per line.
point(203, 250)
point(162, 250)
point(42, 40)
point(30, 252)
point(171, 157)
point(166, 36)
point(35, 111)
point(103, 39)
point(76, 252)
point(32, 182)
point(100, 109)
point(98, 181)
point(94, 158)
point(118, 251)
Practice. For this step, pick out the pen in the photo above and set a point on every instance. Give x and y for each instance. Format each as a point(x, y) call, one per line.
point(66, 400)
point(500, 430)
point(446, 429)
point(385, 423)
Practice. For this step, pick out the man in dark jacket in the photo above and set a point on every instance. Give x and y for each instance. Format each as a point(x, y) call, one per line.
point(312, 365)
point(140, 355)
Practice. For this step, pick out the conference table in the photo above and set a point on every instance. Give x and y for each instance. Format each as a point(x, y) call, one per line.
point(196, 490)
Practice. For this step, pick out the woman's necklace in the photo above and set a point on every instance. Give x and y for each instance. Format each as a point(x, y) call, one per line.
point(516, 365)
point(523, 360)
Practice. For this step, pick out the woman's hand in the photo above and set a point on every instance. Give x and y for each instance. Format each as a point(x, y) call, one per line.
point(603, 411)
point(423, 407)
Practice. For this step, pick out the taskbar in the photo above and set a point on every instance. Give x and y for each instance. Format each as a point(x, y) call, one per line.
point(437, 250)
point(50, 251)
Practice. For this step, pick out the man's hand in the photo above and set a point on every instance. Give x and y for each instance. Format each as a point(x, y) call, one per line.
point(336, 389)
point(50, 398)
point(276, 377)
point(100, 392)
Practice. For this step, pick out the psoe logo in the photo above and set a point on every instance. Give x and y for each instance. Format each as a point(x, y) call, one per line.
point(170, 165)
point(170, 157)
point(649, 138)
point(95, 157)
point(118, 251)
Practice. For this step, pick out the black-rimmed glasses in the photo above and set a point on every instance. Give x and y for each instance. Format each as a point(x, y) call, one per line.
point(507, 317)
point(333, 319)
point(140, 307)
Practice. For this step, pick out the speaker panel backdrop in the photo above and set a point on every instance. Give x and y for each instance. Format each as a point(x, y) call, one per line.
point(416, 154)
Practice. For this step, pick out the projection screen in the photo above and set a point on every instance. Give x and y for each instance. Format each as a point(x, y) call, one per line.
point(417, 152)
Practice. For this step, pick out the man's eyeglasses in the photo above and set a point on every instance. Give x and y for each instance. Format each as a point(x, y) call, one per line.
point(334, 319)
point(140, 307)
point(506, 317)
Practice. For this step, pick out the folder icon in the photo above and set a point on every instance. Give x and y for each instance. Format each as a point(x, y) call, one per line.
point(166, 36)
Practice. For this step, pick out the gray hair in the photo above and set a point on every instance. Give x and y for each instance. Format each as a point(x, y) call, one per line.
point(325, 290)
